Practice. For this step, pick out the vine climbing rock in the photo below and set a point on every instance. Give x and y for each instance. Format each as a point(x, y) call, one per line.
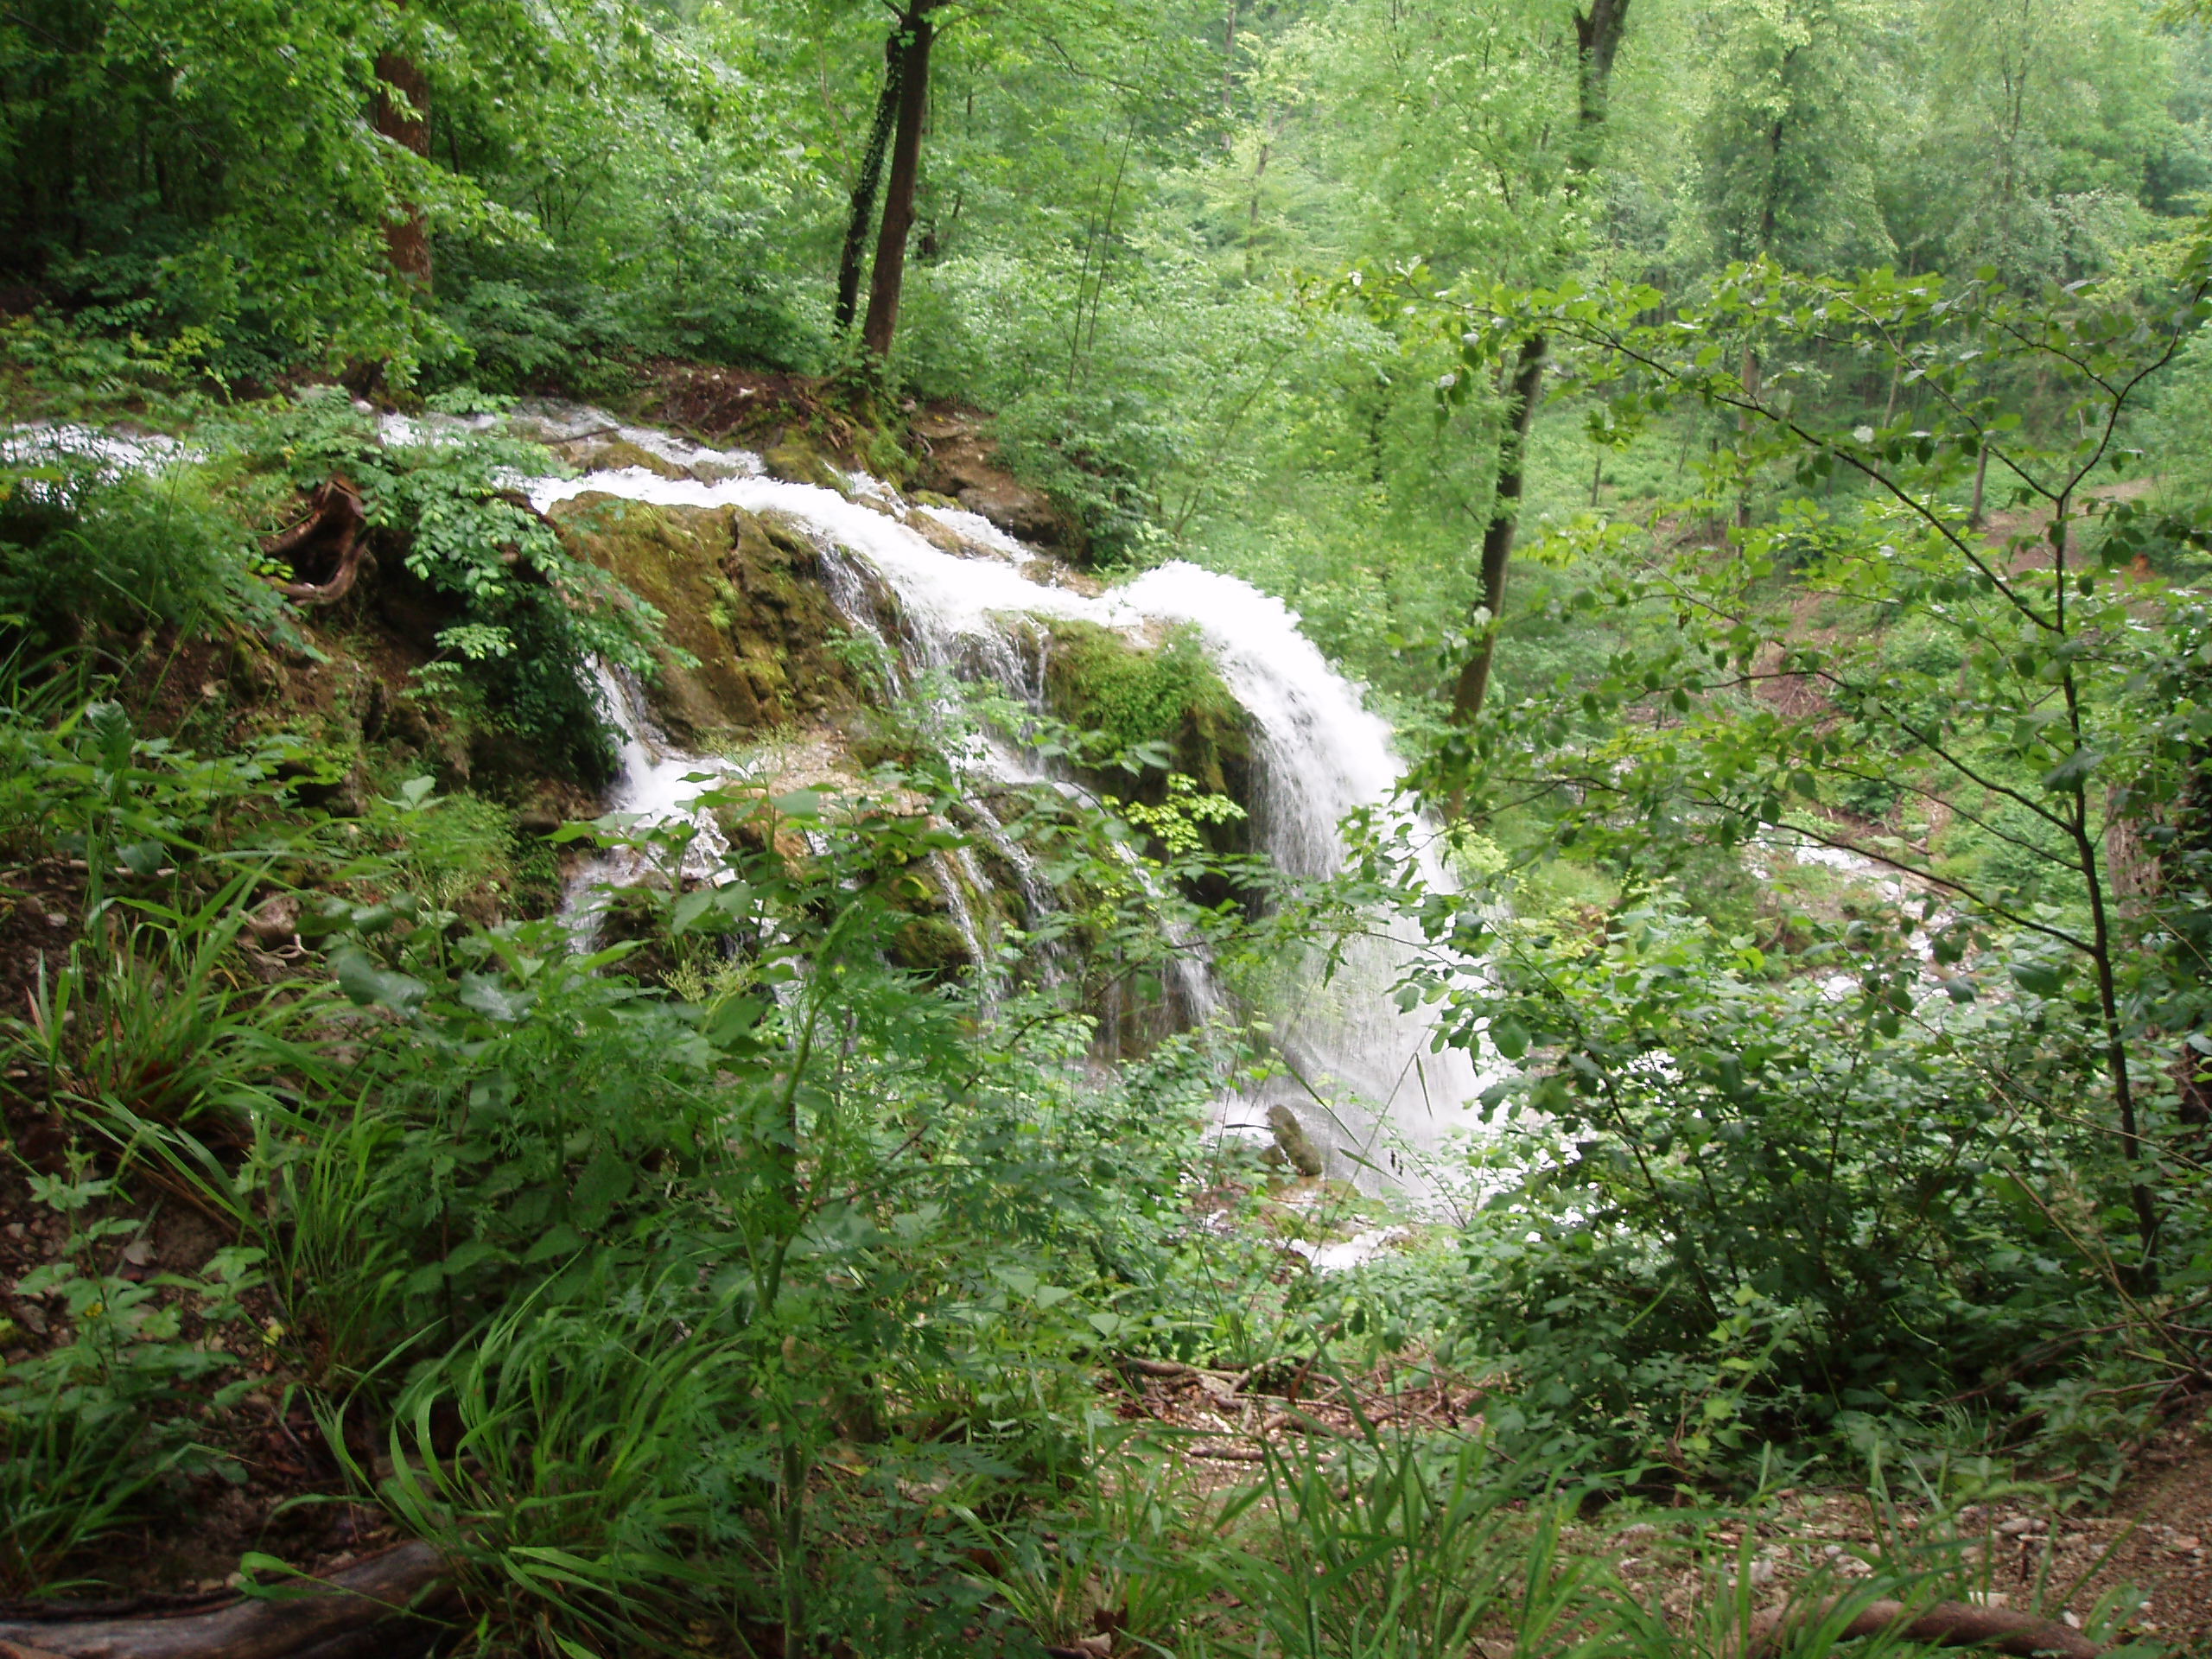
point(324, 548)
point(374, 1607)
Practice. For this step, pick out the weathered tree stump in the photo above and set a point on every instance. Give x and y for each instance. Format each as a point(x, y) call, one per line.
point(324, 548)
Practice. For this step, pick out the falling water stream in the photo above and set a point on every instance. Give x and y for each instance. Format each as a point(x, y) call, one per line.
point(1364, 1078)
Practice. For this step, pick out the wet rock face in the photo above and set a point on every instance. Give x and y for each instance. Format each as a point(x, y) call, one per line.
point(601, 452)
point(739, 598)
point(796, 462)
point(1169, 695)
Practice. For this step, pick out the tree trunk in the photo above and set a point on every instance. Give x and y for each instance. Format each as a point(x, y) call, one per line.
point(1597, 34)
point(1598, 39)
point(1750, 379)
point(866, 185)
point(886, 281)
point(364, 1609)
point(1505, 516)
point(1229, 79)
point(1947, 1624)
point(403, 115)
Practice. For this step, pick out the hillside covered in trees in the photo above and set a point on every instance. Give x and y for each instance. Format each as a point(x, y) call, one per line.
point(1195, 827)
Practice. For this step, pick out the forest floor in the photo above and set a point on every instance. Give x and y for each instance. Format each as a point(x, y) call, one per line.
point(2154, 1539)
point(1220, 1428)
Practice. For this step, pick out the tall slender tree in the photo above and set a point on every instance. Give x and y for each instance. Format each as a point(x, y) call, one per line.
point(907, 60)
point(862, 212)
point(401, 114)
point(1598, 31)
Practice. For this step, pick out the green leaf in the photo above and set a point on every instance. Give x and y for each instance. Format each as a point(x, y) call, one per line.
point(2074, 770)
point(367, 983)
point(606, 1180)
point(493, 999)
point(561, 1240)
point(689, 909)
point(1509, 1036)
point(142, 857)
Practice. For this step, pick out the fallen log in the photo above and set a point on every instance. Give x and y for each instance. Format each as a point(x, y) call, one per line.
point(353, 1615)
point(1947, 1624)
point(332, 533)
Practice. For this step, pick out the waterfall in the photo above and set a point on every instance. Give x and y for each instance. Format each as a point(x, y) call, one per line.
point(1369, 1087)
point(654, 783)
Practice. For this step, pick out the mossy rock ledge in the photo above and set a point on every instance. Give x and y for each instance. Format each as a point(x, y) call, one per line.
point(1169, 694)
point(740, 594)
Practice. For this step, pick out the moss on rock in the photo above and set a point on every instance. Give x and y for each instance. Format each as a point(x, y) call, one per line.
point(613, 454)
point(739, 599)
point(796, 462)
point(1170, 695)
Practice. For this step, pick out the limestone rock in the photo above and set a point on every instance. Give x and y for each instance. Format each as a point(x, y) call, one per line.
point(612, 455)
point(739, 598)
point(796, 462)
point(1292, 1141)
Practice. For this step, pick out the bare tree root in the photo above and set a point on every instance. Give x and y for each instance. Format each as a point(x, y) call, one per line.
point(353, 1616)
point(1947, 1624)
point(324, 548)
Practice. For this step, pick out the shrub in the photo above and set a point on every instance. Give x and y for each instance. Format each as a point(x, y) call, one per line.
point(526, 619)
point(1757, 1208)
point(85, 548)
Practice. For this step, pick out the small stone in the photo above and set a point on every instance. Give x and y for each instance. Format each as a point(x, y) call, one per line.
point(2073, 1620)
point(2183, 1545)
point(139, 1252)
point(2017, 1525)
point(275, 919)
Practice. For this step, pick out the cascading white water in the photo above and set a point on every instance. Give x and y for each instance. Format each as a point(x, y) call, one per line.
point(1370, 1091)
point(655, 785)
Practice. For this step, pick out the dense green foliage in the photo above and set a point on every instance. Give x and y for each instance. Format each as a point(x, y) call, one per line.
point(770, 1255)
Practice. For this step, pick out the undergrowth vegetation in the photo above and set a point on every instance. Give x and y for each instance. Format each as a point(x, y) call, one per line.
point(882, 1208)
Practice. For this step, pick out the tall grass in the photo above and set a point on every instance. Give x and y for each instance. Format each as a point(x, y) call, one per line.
point(555, 1460)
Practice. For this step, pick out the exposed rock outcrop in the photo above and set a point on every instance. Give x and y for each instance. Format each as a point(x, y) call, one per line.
point(960, 460)
point(742, 602)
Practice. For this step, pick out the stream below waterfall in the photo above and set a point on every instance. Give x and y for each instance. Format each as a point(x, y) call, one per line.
point(1367, 1083)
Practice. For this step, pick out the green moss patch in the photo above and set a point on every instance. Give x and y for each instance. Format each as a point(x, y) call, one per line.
point(752, 626)
point(1169, 697)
